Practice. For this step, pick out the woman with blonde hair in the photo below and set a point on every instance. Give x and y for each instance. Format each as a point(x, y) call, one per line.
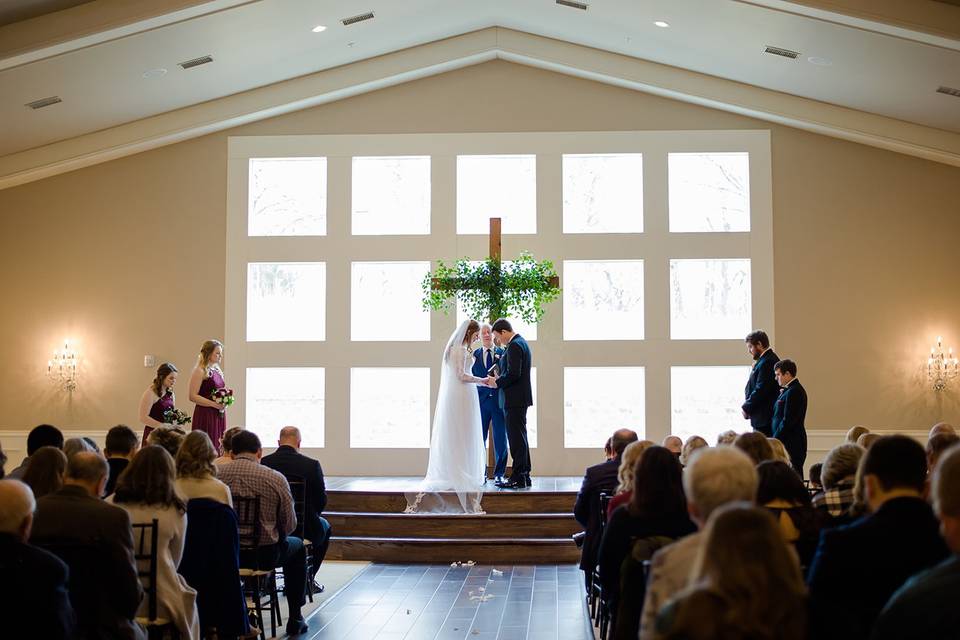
point(855, 432)
point(779, 450)
point(196, 474)
point(157, 400)
point(628, 467)
point(689, 447)
point(207, 377)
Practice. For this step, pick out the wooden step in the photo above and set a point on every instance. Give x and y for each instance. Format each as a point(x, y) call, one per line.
point(524, 501)
point(480, 550)
point(527, 525)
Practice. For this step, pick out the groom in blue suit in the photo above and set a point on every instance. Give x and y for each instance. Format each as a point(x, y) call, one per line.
point(483, 359)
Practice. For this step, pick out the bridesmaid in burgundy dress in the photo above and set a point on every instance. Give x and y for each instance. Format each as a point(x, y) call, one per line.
point(157, 399)
point(208, 416)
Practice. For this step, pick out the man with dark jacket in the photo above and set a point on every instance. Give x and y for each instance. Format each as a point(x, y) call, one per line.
point(762, 389)
point(44, 435)
point(600, 478)
point(95, 539)
point(120, 447)
point(858, 567)
point(790, 413)
point(34, 585)
point(288, 460)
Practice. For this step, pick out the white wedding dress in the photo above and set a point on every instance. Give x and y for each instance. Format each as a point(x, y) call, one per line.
point(456, 445)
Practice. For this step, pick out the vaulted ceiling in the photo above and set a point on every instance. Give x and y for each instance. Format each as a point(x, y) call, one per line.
point(114, 64)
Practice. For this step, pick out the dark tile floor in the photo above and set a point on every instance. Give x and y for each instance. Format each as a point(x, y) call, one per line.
point(439, 602)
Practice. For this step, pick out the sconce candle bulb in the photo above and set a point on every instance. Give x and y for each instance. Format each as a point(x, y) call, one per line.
point(63, 368)
point(941, 368)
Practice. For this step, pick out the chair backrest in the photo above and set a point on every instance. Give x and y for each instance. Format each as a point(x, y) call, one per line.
point(84, 560)
point(298, 489)
point(145, 552)
point(247, 509)
point(604, 504)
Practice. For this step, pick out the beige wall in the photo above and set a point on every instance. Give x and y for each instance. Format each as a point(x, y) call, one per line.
point(127, 257)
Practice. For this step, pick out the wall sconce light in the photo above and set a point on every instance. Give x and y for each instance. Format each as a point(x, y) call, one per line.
point(941, 367)
point(62, 369)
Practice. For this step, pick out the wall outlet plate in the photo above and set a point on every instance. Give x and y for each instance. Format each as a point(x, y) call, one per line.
point(149, 361)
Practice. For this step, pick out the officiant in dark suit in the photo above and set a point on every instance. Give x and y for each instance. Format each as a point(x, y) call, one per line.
point(517, 395)
point(790, 413)
point(491, 412)
point(762, 388)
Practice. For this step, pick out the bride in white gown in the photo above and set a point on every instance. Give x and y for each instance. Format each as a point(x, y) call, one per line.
point(456, 444)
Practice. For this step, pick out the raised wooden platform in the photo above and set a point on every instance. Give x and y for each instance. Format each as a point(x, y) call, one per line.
point(531, 526)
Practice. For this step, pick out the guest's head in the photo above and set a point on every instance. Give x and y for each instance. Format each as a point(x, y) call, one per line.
point(246, 442)
point(290, 437)
point(628, 463)
point(757, 343)
point(149, 479)
point(195, 457)
point(16, 509)
point(937, 445)
point(44, 473)
point(815, 472)
point(226, 440)
point(620, 439)
point(658, 485)
point(673, 444)
point(211, 352)
point(88, 471)
point(165, 378)
point(785, 372)
point(779, 482)
point(170, 438)
point(841, 464)
point(76, 445)
point(93, 444)
point(866, 440)
point(716, 477)
point(692, 444)
point(608, 449)
point(893, 467)
point(942, 427)
point(779, 451)
point(946, 496)
point(44, 435)
point(854, 433)
point(726, 437)
point(755, 445)
point(121, 442)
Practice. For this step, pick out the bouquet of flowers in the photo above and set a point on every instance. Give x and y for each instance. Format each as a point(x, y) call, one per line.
point(223, 397)
point(175, 416)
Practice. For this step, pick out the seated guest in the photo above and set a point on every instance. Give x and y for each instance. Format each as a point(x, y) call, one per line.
point(120, 447)
point(779, 451)
point(726, 437)
point(755, 445)
point(936, 446)
point(76, 445)
point(97, 543)
point(45, 471)
point(816, 484)
point(247, 477)
point(608, 449)
point(656, 515)
point(196, 474)
point(146, 491)
point(600, 478)
point(746, 584)
point(839, 479)
point(781, 492)
point(855, 432)
point(926, 605)
point(674, 445)
point(288, 460)
point(866, 440)
point(170, 438)
point(226, 443)
point(692, 444)
point(34, 586)
point(942, 427)
point(44, 435)
point(714, 478)
point(3, 463)
point(92, 444)
point(858, 566)
point(628, 465)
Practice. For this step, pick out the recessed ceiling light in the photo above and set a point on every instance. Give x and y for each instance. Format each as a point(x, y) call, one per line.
point(820, 62)
point(662, 24)
point(154, 73)
point(319, 28)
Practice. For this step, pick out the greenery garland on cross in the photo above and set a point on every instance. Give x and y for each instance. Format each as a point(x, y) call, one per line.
point(490, 290)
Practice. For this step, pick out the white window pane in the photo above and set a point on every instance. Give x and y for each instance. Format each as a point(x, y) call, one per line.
point(599, 400)
point(709, 192)
point(603, 300)
point(286, 301)
point(532, 411)
point(278, 397)
point(526, 329)
point(287, 197)
point(391, 195)
point(603, 193)
point(705, 401)
point(497, 187)
point(390, 408)
point(385, 301)
point(709, 299)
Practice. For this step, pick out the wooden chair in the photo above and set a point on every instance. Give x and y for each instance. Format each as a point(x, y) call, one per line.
point(298, 489)
point(602, 606)
point(145, 553)
point(258, 583)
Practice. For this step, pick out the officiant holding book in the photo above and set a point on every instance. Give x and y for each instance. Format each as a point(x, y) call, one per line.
point(485, 361)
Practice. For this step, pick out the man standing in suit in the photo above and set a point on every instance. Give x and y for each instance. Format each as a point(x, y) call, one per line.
point(288, 460)
point(490, 410)
point(517, 394)
point(761, 392)
point(790, 413)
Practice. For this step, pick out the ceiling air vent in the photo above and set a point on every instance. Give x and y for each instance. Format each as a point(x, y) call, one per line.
point(43, 102)
point(196, 62)
point(785, 53)
point(575, 5)
point(359, 18)
point(950, 91)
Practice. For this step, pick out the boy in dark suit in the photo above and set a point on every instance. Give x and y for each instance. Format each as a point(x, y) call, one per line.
point(789, 414)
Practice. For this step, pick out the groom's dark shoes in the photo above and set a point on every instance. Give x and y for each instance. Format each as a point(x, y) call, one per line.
point(519, 482)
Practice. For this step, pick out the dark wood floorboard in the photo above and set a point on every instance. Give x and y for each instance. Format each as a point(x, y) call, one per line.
point(409, 483)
